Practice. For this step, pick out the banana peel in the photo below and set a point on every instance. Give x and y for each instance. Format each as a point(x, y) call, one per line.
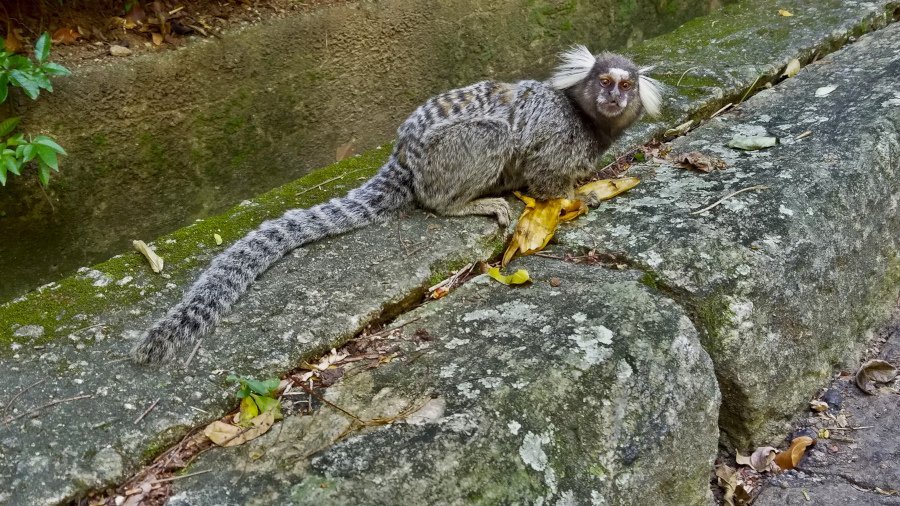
point(538, 222)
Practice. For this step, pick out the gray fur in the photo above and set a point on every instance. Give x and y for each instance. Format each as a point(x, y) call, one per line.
point(453, 156)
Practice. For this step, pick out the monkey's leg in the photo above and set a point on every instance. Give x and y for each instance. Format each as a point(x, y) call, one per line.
point(462, 163)
point(496, 207)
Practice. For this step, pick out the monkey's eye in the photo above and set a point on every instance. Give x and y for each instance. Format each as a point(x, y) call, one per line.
point(625, 85)
point(604, 81)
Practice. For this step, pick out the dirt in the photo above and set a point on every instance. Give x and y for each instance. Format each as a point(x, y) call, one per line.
point(84, 31)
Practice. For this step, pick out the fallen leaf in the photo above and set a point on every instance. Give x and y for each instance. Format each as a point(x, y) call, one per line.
point(156, 262)
point(824, 434)
point(518, 278)
point(65, 36)
point(136, 15)
point(126, 24)
point(698, 161)
point(760, 460)
point(119, 51)
point(784, 13)
point(825, 90)
point(886, 492)
point(218, 239)
point(818, 406)
point(225, 434)
point(789, 458)
point(13, 43)
point(538, 223)
point(792, 68)
point(345, 150)
point(605, 189)
point(439, 292)
point(249, 410)
point(874, 371)
point(735, 492)
point(157, 38)
point(752, 143)
point(680, 129)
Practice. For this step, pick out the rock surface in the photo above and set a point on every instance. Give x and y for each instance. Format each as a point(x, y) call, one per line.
point(783, 282)
point(578, 394)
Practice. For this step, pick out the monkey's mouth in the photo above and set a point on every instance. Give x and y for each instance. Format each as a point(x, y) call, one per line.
point(610, 109)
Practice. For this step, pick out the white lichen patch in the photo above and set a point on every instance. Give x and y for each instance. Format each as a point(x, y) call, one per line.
point(455, 343)
point(532, 453)
point(466, 390)
point(785, 211)
point(514, 427)
point(490, 382)
point(590, 342)
point(579, 317)
point(652, 258)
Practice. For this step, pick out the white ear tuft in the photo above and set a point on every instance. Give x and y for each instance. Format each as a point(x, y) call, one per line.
point(576, 63)
point(649, 89)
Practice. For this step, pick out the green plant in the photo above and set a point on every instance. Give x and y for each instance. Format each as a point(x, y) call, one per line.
point(15, 150)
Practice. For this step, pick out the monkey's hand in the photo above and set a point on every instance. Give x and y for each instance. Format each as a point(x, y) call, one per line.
point(593, 193)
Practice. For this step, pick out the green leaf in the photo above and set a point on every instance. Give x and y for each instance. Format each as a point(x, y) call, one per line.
point(55, 69)
point(42, 47)
point(3, 172)
point(4, 88)
point(28, 153)
point(47, 156)
point(42, 81)
point(265, 403)
point(43, 173)
point(8, 125)
point(16, 140)
point(28, 85)
point(47, 141)
point(13, 165)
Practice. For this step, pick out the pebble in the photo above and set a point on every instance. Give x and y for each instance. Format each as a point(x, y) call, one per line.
point(119, 51)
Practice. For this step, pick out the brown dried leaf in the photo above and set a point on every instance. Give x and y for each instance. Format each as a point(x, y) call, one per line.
point(156, 262)
point(789, 458)
point(874, 371)
point(13, 43)
point(136, 15)
point(157, 38)
point(345, 150)
point(225, 434)
point(818, 406)
point(698, 161)
point(65, 36)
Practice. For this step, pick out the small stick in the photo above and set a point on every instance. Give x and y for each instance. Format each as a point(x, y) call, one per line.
point(194, 352)
point(848, 428)
point(54, 403)
point(11, 401)
point(723, 199)
point(721, 110)
point(342, 410)
point(311, 188)
point(173, 478)
point(804, 134)
point(145, 413)
point(85, 328)
point(750, 89)
point(388, 331)
point(400, 237)
point(685, 73)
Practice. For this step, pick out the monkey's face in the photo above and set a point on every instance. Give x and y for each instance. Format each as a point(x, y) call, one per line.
point(613, 87)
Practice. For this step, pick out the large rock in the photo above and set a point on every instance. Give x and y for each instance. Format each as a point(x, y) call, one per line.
point(595, 392)
point(783, 283)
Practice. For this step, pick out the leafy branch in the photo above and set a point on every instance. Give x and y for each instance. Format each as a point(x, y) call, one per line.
point(32, 77)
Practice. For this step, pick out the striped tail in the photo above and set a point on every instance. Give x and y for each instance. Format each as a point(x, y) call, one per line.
point(233, 270)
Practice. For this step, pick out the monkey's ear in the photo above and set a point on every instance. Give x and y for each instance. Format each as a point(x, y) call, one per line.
point(649, 88)
point(575, 65)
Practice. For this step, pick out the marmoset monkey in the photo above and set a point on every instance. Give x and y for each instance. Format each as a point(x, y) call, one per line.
point(453, 156)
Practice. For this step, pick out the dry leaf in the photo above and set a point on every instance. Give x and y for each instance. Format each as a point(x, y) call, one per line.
point(605, 189)
point(680, 129)
point(735, 492)
point(789, 458)
point(157, 38)
point(760, 460)
point(136, 15)
point(156, 262)
point(225, 434)
point(784, 13)
point(345, 150)
point(65, 36)
point(818, 406)
point(698, 161)
point(520, 277)
point(792, 68)
point(13, 43)
point(825, 91)
point(752, 143)
point(538, 224)
point(126, 24)
point(874, 371)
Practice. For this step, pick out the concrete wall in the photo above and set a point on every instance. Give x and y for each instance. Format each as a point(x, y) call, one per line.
point(156, 142)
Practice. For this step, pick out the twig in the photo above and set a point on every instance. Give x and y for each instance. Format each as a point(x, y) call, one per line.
point(11, 401)
point(145, 413)
point(194, 352)
point(54, 403)
point(842, 440)
point(424, 244)
point(173, 478)
point(723, 199)
point(400, 237)
point(311, 188)
point(52, 208)
point(342, 410)
point(804, 134)
point(721, 110)
point(750, 89)
point(86, 328)
point(848, 428)
point(388, 331)
point(685, 73)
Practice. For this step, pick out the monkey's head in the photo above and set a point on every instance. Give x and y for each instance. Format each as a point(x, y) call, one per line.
point(608, 87)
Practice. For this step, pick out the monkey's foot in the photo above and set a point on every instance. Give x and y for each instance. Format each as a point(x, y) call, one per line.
point(496, 207)
point(538, 223)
